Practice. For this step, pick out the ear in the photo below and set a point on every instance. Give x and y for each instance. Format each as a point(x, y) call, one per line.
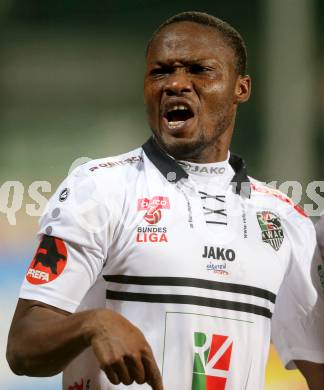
point(242, 89)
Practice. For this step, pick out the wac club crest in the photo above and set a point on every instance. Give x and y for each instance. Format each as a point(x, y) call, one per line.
point(271, 229)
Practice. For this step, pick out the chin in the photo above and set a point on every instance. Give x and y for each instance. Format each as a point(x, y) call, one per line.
point(182, 148)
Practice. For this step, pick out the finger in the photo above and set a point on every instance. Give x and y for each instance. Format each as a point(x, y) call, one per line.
point(135, 368)
point(152, 373)
point(121, 370)
point(104, 358)
point(112, 376)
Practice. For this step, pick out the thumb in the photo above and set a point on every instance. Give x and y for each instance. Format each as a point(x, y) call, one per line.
point(153, 375)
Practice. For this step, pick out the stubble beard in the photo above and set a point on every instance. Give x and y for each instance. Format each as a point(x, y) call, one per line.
point(201, 145)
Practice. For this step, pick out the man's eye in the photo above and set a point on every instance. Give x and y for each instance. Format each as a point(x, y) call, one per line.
point(198, 69)
point(159, 71)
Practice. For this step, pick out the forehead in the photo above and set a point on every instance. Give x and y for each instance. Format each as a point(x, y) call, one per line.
point(188, 41)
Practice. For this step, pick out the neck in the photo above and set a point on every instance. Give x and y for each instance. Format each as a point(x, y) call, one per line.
point(203, 150)
point(212, 154)
point(201, 154)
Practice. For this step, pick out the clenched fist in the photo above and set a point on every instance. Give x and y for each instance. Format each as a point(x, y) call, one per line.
point(122, 350)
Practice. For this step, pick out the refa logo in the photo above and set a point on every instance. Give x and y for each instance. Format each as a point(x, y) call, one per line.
point(49, 261)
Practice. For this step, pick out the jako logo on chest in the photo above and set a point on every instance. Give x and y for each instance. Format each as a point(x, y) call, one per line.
point(217, 253)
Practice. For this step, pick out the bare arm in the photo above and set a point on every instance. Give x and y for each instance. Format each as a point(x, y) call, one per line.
point(43, 340)
point(313, 373)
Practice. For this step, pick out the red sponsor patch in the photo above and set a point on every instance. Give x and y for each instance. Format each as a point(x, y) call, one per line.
point(153, 216)
point(157, 202)
point(49, 261)
point(153, 207)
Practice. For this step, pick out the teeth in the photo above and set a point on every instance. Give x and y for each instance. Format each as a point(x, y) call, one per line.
point(178, 107)
point(176, 124)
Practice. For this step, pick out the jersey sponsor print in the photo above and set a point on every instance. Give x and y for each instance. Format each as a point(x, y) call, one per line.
point(212, 352)
point(211, 362)
point(49, 261)
point(222, 257)
point(213, 170)
point(153, 208)
point(152, 216)
point(111, 164)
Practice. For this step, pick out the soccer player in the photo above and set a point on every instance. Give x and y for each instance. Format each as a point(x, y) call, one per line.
point(168, 267)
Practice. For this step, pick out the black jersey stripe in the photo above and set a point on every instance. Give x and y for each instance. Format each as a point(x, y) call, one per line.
point(217, 223)
point(192, 282)
point(188, 300)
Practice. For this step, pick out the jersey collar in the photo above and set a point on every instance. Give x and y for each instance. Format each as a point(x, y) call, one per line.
point(173, 171)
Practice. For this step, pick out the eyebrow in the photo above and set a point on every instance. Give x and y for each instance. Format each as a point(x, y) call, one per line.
point(184, 62)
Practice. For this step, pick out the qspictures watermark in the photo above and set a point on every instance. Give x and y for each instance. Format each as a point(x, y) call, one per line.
point(14, 196)
point(32, 199)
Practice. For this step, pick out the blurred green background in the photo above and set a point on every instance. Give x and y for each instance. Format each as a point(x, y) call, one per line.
point(71, 76)
point(71, 80)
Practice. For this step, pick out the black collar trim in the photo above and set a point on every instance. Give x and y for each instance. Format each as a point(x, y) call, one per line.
point(173, 172)
point(169, 168)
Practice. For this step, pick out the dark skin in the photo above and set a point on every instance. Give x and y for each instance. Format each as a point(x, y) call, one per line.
point(190, 65)
point(44, 339)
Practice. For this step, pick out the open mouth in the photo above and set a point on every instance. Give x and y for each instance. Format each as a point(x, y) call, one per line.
point(177, 115)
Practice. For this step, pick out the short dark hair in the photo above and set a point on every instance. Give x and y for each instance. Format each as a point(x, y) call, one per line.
point(232, 37)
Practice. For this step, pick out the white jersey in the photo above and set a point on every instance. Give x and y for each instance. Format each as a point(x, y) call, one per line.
point(201, 258)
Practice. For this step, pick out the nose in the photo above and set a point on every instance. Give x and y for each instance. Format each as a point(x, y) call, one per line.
point(178, 83)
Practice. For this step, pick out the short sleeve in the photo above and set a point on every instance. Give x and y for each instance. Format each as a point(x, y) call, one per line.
point(298, 320)
point(74, 237)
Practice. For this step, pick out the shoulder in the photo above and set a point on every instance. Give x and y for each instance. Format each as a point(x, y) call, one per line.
point(292, 215)
point(297, 226)
point(111, 166)
point(108, 172)
point(92, 194)
point(276, 198)
point(121, 163)
point(99, 181)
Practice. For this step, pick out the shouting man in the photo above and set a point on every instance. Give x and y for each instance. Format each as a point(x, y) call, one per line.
point(172, 266)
